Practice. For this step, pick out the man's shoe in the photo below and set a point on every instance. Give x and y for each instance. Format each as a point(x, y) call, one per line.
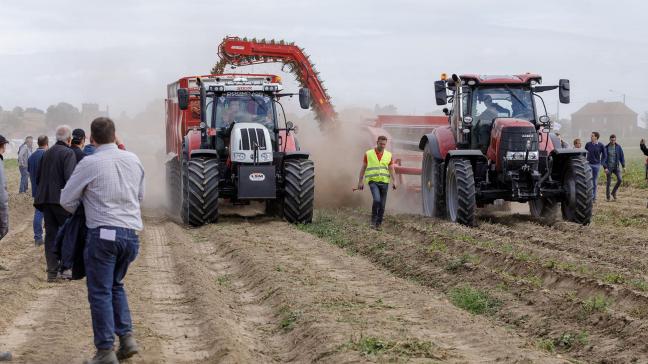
point(5, 356)
point(66, 274)
point(38, 242)
point(127, 347)
point(614, 196)
point(103, 356)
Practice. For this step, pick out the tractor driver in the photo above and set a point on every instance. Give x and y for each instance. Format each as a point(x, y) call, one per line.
point(265, 116)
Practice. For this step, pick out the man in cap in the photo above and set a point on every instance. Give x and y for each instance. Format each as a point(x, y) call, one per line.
point(4, 213)
point(78, 141)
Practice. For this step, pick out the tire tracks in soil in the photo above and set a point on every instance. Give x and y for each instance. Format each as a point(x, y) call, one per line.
point(542, 311)
point(273, 271)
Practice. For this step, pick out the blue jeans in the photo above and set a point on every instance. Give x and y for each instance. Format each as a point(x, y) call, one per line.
point(379, 194)
point(596, 168)
point(24, 179)
point(106, 263)
point(38, 225)
point(617, 173)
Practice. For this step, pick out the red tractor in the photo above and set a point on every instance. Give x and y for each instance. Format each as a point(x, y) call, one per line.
point(498, 145)
point(228, 137)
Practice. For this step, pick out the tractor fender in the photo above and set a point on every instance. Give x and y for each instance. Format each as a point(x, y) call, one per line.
point(190, 143)
point(205, 153)
point(296, 155)
point(561, 156)
point(439, 142)
point(470, 154)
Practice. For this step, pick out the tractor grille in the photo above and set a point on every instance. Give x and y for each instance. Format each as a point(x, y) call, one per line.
point(514, 139)
point(251, 137)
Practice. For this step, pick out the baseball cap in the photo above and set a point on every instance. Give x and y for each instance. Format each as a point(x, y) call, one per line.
point(3, 140)
point(78, 134)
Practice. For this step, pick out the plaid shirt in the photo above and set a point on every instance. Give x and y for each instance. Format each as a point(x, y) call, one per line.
point(110, 183)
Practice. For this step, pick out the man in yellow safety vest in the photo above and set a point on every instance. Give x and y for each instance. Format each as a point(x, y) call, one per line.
point(377, 171)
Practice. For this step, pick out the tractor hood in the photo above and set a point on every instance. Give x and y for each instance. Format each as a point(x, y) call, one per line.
point(250, 143)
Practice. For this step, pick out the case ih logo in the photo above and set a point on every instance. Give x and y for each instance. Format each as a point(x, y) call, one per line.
point(257, 177)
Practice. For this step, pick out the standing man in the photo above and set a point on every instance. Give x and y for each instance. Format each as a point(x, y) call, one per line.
point(594, 150)
point(110, 183)
point(78, 141)
point(379, 168)
point(612, 157)
point(32, 165)
point(4, 213)
point(24, 151)
point(55, 168)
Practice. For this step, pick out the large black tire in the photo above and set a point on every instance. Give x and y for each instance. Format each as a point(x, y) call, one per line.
point(432, 187)
point(200, 191)
point(460, 192)
point(544, 208)
point(299, 190)
point(173, 192)
point(577, 183)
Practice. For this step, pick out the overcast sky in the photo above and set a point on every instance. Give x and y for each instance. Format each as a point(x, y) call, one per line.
point(123, 53)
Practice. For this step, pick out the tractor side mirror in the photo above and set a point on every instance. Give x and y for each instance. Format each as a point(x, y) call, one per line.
point(446, 111)
point(563, 91)
point(440, 93)
point(183, 98)
point(304, 98)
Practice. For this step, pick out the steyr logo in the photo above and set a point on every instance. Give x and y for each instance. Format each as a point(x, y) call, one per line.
point(257, 177)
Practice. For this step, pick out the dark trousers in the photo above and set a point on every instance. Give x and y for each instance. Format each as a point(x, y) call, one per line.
point(106, 264)
point(595, 174)
point(617, 173)
point(24, 179)
point(379, 194)
point(54, 216)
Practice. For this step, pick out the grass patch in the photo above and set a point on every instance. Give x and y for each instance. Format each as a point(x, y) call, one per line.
point(437, 245)
point(597, 303)
point(639, 284)
point(288, 318)
point(565, 342)
point(473, 300)
point(614, 278)
point(327, 228)
point(458, 263)
point(224, 280)
point(410, 348)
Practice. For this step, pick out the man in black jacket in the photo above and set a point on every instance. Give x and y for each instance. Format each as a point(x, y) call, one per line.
point(55, 169)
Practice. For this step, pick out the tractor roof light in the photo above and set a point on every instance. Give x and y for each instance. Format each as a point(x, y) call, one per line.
point(468, 120)
point(472, 82)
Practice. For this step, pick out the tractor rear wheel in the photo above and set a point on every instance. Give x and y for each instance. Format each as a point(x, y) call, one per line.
point(577, 183)
point(200, 191)
point(432, 187)
point(544, 208)
point(299, 190)
point(460, 192)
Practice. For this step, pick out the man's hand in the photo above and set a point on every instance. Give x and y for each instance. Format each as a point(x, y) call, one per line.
point(394, 186)
point(360, 186)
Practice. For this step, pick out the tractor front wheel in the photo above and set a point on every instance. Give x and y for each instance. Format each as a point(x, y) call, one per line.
point(299, 190)
point(432, 187)
point(577, 184)
point(460, 192)
point(199, 191)
point(544, 208)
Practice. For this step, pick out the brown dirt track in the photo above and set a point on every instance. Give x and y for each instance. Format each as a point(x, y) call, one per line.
point(258, 290)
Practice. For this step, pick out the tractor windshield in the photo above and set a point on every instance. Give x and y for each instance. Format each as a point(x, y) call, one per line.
point(242, 108)
point(502, 102)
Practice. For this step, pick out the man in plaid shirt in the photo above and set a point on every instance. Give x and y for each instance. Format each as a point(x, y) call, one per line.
point(110, 184)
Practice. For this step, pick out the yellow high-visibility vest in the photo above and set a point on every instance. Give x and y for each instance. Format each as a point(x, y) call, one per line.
point(377, 170)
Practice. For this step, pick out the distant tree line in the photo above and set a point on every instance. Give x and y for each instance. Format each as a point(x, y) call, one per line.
point(15, 120)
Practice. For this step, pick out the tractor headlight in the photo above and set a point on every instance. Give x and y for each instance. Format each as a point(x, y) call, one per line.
point(266, 157)
point(238, 156)
point(519, 156)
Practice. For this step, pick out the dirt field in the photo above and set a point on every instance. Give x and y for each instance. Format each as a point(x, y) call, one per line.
point(258, 290)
